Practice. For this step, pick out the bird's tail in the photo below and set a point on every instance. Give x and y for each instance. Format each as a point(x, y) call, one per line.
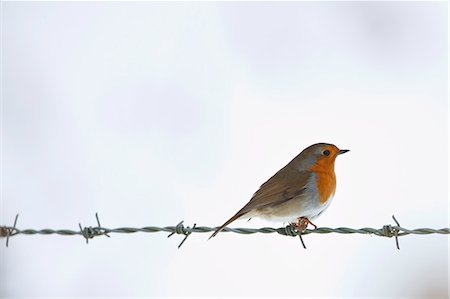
point(238, 214)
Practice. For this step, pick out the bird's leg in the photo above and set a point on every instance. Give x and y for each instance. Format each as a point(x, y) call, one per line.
point(302, 224)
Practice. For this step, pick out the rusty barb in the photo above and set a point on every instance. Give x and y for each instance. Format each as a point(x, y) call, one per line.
point(8, 231)
point(91, 232)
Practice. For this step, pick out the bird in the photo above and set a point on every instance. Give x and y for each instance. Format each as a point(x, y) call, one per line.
point(298, 193)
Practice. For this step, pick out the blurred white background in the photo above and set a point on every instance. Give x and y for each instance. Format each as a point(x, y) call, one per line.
point(150, 113)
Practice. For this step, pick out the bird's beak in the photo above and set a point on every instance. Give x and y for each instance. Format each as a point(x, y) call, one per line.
point(343, 151)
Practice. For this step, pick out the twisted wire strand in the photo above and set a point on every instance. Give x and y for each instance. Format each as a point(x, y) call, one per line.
point(245, 231)
point(91, 232)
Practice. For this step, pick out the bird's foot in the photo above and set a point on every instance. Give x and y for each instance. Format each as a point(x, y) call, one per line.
point(302, 224)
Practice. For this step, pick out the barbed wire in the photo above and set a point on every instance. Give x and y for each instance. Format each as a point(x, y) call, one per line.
point(90, 232)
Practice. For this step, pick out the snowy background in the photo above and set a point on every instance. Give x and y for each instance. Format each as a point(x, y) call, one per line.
point(150, 113)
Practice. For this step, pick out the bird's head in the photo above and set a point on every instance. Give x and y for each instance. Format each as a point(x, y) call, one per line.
point(319, 155)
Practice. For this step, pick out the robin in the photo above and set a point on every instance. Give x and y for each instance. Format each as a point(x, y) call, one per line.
point(299, 192)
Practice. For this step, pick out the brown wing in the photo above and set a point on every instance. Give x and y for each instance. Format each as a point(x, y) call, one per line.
point(282, 187)
point(277, 190)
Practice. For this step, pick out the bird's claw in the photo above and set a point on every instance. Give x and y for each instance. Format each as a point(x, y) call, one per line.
point(302, 224)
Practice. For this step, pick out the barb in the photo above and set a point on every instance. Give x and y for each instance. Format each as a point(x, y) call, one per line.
point(90, 232)
point(301, 240)
point(6, 231)
point(180, 229)
point(292, 231)
point(394, 231)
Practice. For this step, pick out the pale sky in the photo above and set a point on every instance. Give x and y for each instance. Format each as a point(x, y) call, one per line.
point(151, 113)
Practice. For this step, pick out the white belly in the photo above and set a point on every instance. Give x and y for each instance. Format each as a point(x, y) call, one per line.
point(290, 213)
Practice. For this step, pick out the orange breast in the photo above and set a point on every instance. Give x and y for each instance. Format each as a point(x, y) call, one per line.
point(325, 179)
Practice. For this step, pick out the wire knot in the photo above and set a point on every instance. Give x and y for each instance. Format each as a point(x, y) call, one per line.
point(392, 231)
point(181, 230)
point(290, 230)
point(5, 231)
point(90, 232)
point(8, 231)
point(389, 231)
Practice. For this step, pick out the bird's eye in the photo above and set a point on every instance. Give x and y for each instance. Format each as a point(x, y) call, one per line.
point(326, 152)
